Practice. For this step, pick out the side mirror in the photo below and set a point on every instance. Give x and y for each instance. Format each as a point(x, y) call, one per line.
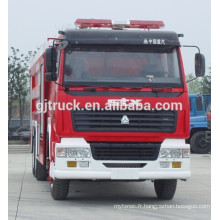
point(50, 60)
point(199, 65)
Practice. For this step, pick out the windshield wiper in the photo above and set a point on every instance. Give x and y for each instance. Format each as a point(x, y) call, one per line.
point(91, 88)
point(94, 87)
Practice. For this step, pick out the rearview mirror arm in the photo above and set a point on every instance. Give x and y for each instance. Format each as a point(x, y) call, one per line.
point(191, 46)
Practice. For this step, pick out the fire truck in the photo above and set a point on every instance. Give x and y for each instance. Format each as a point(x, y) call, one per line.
point(111, 64)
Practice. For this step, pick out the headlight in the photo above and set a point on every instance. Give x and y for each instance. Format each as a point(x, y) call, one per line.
point(176, 153)
point(78, 152)
point(165, 153)
point(170, 153)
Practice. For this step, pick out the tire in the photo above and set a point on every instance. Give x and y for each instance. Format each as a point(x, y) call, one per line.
point(59, 189)
point(38, 170)
point(165, 189)
point(198, 143)
point(41, 171)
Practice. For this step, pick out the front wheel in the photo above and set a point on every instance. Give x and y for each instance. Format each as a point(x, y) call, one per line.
point(59, 189)
point(165, 189)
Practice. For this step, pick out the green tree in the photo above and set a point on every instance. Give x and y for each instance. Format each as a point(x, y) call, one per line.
point(199, 85)
point(206, 83)
point(18, 81)
point(194, 86)
point(13, 68)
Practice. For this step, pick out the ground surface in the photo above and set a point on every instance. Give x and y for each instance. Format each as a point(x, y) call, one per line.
point(31, 199)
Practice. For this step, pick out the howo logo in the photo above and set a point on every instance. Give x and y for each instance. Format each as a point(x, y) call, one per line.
point(125, 120)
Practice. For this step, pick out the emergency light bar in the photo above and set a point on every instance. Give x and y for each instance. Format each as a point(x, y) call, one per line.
point(105, 23)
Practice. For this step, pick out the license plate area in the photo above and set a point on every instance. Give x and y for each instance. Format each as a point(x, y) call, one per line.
point(124, 175)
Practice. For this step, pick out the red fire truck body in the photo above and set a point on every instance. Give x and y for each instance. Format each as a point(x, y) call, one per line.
point(110, 145)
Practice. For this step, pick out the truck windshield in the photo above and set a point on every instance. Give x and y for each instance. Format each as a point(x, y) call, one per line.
point(122, 67)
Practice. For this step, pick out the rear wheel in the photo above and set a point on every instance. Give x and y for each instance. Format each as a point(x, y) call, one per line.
point(39, 171)
point(165, 189)
point(59, 189)
point(198, 143)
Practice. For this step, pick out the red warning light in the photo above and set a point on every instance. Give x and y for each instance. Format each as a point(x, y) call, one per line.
point(93, 23)
point(106, 23)
point(146, 24)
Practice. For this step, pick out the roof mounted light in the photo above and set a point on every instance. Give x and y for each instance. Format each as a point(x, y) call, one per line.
point(93, 23)
point(106, 23)
point(146, 24)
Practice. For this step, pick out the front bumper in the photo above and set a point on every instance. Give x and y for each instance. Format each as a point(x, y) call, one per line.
point(98, 171)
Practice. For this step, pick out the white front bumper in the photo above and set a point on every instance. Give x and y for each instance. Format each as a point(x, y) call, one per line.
point(97, 170)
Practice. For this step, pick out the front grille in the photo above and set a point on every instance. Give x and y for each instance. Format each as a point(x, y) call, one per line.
point(124, 151)
point(138, 121)
point(124, 165)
